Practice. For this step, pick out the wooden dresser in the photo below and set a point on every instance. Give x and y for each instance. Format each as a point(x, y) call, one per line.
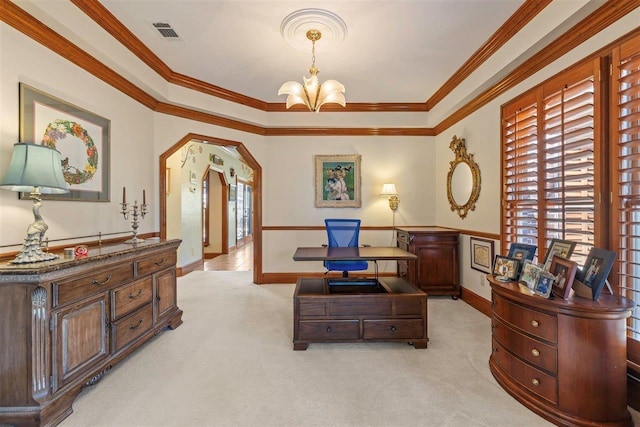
point(67, 322)
point(436, 270)
point(564, 360)
point(395, 311)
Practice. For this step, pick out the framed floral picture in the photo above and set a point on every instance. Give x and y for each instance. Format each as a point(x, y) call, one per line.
point(81, 137)
point(337, 181)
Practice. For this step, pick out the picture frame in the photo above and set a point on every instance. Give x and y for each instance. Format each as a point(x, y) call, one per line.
point(505, 268)
point(563, 248)
point(81, 137)
point(544, 284)
point(522, 251)
point(337, 181)
point(482, 253)
point(596, 269)
point(529, 273)
point(564, 272)
point(232, 192)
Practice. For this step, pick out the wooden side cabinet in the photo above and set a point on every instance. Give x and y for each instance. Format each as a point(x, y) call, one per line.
point(436, 271)
point(564, 360)
point(65, 323)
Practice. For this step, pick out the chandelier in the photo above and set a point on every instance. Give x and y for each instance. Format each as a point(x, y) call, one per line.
point(313, 94)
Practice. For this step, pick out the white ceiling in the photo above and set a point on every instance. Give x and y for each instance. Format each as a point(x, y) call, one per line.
point(394, 50)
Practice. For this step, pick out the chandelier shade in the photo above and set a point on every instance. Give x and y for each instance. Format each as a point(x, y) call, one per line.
point(312, 93)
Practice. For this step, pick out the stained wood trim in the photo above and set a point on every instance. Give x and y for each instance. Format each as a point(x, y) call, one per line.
point(191, 114)
point(305, 131)
point(529, 10)
point(186, 269)
point(352, 107)
point(31, 27)
point(476, 301)
point(601, 18)
point(213, 90)
point(480, 234)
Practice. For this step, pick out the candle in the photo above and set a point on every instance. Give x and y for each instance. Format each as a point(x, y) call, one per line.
point(144, 197)
point(124, 195)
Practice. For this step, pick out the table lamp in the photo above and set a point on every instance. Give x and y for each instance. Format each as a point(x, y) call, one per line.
point(35, 169)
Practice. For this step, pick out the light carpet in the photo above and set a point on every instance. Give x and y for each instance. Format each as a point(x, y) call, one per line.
point(232, 364)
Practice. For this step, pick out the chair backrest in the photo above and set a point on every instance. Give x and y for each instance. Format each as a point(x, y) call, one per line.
point(342, 232)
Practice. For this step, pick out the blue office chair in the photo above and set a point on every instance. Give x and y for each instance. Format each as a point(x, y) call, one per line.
point(343, 233)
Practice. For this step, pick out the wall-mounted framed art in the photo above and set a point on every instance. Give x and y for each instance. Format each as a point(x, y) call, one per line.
point(232, 192)
point(481, 254)
point(81, 137)
point(337, 181)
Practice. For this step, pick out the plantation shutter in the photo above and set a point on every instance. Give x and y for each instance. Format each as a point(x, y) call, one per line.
point(568, 162)
point(626, 184)
point(520, 172)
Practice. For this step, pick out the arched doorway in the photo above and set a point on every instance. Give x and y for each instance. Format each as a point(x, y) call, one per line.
point(256, 219)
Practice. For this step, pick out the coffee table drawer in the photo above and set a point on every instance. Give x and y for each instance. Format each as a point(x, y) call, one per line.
point(329, 330)
point(393, 329)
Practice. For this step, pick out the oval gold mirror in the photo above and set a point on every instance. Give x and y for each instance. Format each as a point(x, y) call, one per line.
point(463, 180)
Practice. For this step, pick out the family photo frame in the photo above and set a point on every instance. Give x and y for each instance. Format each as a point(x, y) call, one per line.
point(596, 269)
point(505, 268)
point(562, 248)
point(81, 137)
point(529, 273)
point(337, 181)
point(564, 272)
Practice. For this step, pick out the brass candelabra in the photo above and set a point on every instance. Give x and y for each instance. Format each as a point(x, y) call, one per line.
point(135, 211)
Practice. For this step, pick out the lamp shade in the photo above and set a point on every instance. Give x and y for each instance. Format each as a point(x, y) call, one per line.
point(35, 166)
point(388, 189)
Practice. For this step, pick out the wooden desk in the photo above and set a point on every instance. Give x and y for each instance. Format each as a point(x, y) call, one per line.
point(348, 310)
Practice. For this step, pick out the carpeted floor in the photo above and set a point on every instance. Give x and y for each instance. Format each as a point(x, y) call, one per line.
point(232, 364)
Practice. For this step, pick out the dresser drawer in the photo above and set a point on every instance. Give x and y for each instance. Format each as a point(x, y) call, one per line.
point(329, 330)
point(393, 329)
point(131, 327)
point(130, 297)
point(79, 287)
point(533, 322)
point(542, 355)
point(156, 263)
point(534, 380)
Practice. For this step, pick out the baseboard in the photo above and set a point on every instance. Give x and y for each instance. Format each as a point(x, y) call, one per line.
point(186, 269)
point(476, 301)
point(211, 255)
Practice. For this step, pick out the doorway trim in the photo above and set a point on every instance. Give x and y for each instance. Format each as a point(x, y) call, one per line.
point(257, 192)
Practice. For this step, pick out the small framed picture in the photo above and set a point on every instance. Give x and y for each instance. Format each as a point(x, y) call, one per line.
point(529, 274)
point(232, 192)
point(544, 284)
point(596, 269)
point(562, 248)
point(481, 254)
point(505, 268)
point(563, 271)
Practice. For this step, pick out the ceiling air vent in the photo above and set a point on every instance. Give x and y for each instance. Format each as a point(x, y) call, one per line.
point(166, 31)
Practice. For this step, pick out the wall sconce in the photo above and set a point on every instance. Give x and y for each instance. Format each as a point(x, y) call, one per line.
point(389, 189)
point(232, 172)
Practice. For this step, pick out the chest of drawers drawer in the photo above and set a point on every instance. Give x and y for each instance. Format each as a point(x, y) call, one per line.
point(77, 288)
point(393, 329)
point(540, 354)
point(130, 297)
point(534, 380)
point(329, 330)
point(155, 263)
point(536, 323)
point(131, 327)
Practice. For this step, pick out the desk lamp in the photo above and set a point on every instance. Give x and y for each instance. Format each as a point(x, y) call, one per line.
point(35, 169)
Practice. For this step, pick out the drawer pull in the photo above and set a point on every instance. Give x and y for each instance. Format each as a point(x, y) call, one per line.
point(535, 381)
point(162, 261)
point(137, 325)
point(329, 329)
point(393, 329)
point(138, 295)
point(95, 282)
point(534, 323)
point(535, 352)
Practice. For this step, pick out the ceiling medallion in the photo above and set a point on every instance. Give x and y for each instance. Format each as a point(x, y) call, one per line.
point(295, 26)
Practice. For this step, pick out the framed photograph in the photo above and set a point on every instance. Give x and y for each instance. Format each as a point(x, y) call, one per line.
point(544, 284)
point(529, 273)
point(81, 137)
point(522, 251)
point(505, 268)
point(562, 248)
point(232, 192)
point(596, 269)
point(337, 181)
point(481, 254)
point(563, 271)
